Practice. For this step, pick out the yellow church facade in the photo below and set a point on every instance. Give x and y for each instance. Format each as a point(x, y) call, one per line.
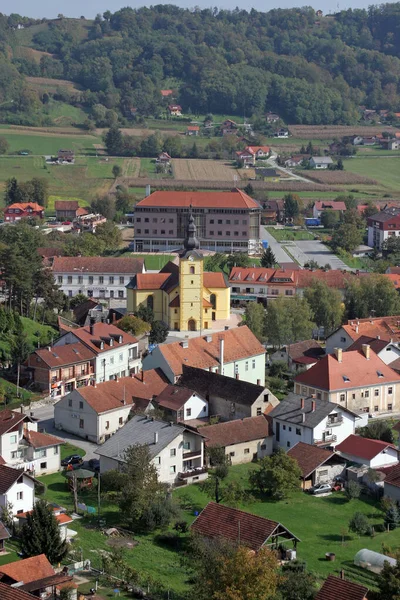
point(182, 295)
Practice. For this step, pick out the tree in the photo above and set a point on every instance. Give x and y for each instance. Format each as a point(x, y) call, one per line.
point(145, 313)
point(19, 349)
point(312, 265)
point(392, 517)
point(326, 305)
point(215, 262)
point(41, 534)
point(347, 236)
point(291, 206)
point(11, 194)
point(110, 235)
point(104, 205)
point(388, 580)
point(254, 317)
point(158, 333)
point(359, 523)
point(114, 141)
point(339, 165)
point(40, 190)
point(330, 218)
point(116, 171)
point(352, 490)
point(268, 260)
point(378, 429)
point(133, 325)
point(287, 321)
point(4, 145)
point(239, 259)
point(77, 300)
point(277, 477)
point(375, 295)
point(296, 583)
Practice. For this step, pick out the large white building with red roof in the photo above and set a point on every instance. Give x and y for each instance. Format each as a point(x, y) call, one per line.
point(226, 221)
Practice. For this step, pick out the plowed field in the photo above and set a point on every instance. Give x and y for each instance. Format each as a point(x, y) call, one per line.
point(202, 170)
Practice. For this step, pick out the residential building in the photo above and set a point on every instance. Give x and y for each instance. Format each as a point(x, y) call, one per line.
point(272, 211)
point(95, 276)
point(272, 117)
point(96, 412)
point(175, 110)
point(10, 593)
point(4, 535)
point(390, 144)
point(245, 157)
point(235, 352)
point(180, 404)
point(24, 447)
point(391, 484)
point(183, 296)
point(327, 205)
point(166, 93)
point(357, 380)
point(68, 210)
point(177, 452)
point(229, 398)
point(250, 154)
point(372, 453)
point(317, 465)
point(389, 352)
point(163, 158)
point(116, 353)
point(337, 588)
point(66, 156)
point(382, 226)
point(23, 210)
point(225, 221)
point(243, 440)
point(33, 575)
point(61, 517)
point(305, 419)
point(272, 175)
point(320, 162)
point(281, 133)
point(58, 371)
point(16, 488)
point(296, 160)
point(193, 130)
point(383, 328)
point(229, 127)
point(219, 521)
point(301, 355)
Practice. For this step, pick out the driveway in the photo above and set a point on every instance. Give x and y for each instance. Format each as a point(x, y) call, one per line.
point(306, 250)
point(278, 250)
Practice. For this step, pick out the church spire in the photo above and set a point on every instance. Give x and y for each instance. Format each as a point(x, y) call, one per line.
point(191, 242)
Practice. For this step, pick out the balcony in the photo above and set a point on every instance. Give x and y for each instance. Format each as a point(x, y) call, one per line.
point(326, 439)
point(190, 455)
point(334, 422)
point(193, 473)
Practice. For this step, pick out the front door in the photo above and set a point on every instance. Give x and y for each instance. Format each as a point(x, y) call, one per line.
point(192, 325)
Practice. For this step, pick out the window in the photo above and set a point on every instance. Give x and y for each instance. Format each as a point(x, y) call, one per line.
point(120, 421)
point(120, 293)
point(172, 469)
point(236, 222)
point(192, 270)
point(253, 363)
point(146, 231)
point(70, 402)
point(20, 495)
point(259, 413)
point(60, 279)
point(219, 221)
point(244, 222)
point(80, 404)
point(172, 452)
point(290, 429)
point(101, 279)
point(284, 427)
point(150, 302)
point(366, 394)
point(157, 460)
point(390, 406)
point(343, 339)
point(162, 231)
point(111, 360)
point(228, 233)
point(170, 220)
point(80, 279)
point(246, 366)
point(211, 233)
point(191, 282)
point(55, 450)
point(376, 393)
point(228, 221)
point(81, 423)
point(154, 219)
point(219, 232)
point(111, 279)
point(188, 412)
point(111, 293)
point(43, 465)
point(146, 220)
point(90, 279)
point(231, 454)
point(69, 278)
point(236, 233)
point(263, 446)
point(247, 451)
point(342, 397)
point(138, 219)
point(211, 221)
point(376, 408)
point(288, 444)
point(298, 431)
point(390, 390)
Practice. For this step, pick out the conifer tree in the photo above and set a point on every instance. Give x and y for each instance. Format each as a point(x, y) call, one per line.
point(41, 535)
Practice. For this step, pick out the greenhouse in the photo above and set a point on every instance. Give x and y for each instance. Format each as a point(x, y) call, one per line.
point(373, 561)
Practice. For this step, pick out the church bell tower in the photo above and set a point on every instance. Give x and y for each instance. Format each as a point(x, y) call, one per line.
point(191, 281)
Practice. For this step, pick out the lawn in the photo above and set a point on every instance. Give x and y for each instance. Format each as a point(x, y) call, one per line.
point(10, 389)
point(37, 334)
point(46, 143)
point(64, 114)
point(153, 262)
point(282, 235)
point(385, 170)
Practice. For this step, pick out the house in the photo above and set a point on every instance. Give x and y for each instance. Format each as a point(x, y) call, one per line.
point(219, 521)
point(4, 535)
point(228, 398)
point(384, 328)
point(68, 210)
point(23, 210)
point(116, 353)
point(382, 226)
point(233, 352)
point(369, 114)
point(180, 403)
point(10, 593)
point(229, 127)
point(58, 371)
point(66, 156)
point(389, 352)
point(317, 465)
point(259, 152)
point(369, 141)
point(177, 452)
point(163, 158)
point(327, 205)
point(372, 453)
point(24, 447)
point(245, 157)
point(357, 380)
point(300, 355)
point(355, 140)
point(243, 440)
point(175, 110)
point(272, 211)
point(272, 117)
point(305, 419)
point(193, 130)
point(390, 144)
point(166, 93)
point(320, 162)
point(318, 13)
point(337, 588)
point(296, 160)
point(95, 276)
point(391, 484)
point(281, 133)
point(96, 412)
point(61, 517)
point(17, 488)
point(267, 174)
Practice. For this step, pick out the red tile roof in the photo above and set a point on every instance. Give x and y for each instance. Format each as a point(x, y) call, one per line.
point(363, 447)
point(4, 533)
point(81, 212)
point(376, 344)
point(173, 397)
point(335, 588)
point(37, 439)
point(66, 205)
point(25, 205)
point(102, 332)
point(214, 280)
point(151, 281)
point(217, 520)
point(386, 327)
point(168, 281)
point(2, 461)
point(254, 149)
point(28, 569)
point(109, 395)
point(297, 278)
point(193, 128)
point(49, 252)
point(97, 264)
point(393, 476)
point(59, 356)
point(166, 93)
point(240, 343)
point(9, 419)
point(309, 457)
point(353, 371)
point(10, 593)
point(63, 518)
point(177, 199)
point(236, 432)
point(330, 205)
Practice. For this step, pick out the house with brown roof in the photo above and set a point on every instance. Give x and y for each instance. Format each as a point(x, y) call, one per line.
point(63, 520)
point(95, 276)
point(96, 412)
point(382, 226)
point(175, 110)
point(179, 404)
point(357, 380)
point(327, 205)
point(10, 593)
point(68, 210)
point(66, 156)
point(17, 488)
point(219, 521)
point(301, 355)
point(317, 465)
point(115, 352)
point(33, 575)
point(382, 328)
point(192, 130)
point(243, 440)
point(235, 352)
point(337, 588)
point(229, 127)
point(364, 451)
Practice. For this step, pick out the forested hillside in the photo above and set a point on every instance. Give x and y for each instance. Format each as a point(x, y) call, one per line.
point(310, 69)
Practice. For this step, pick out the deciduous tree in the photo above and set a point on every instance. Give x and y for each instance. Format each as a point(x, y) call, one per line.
point(277, 477)
point(326, 305)
point(255, 319)
point(287, 321)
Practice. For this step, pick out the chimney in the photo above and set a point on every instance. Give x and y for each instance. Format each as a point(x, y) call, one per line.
point(142, 375)
point(156, 437)
point(208, 338)
point(313, 405)
point(49, 348)
point(303, 417)
point(185, 343)
point(258, 381)
point(21, 408)
point(171, 423)
point(148, 192)
point(221, 355)
point(237, 376)
point(116, 378)
point(301, 403)
point(366, 348)
point(108, 321)
point(378, 337)
point(94, 384)
point(356, 328)
point(339, 354)
point(91, 326)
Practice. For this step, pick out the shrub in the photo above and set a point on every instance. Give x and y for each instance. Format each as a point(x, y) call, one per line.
point(353, 490)
point(181, 527)
point(359, 523)
point(392, 517)
point(169, 539)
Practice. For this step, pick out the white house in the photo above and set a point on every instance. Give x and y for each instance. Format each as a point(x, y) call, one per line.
point(387, 351)
point(24, 447)
point(97, 412)
point(327, 205)
point(95, 276)
point(116, 352)
point(235, 352)
point(320, 162)
point(305, 419)
point(372, 453)
point(382, 226)
point(177, 452)
point(383, 328)
point(17, 489)
point(181, 404)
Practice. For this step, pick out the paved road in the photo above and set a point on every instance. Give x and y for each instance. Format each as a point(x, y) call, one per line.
point(278, 250)
point(306, 250)
point(272, 162)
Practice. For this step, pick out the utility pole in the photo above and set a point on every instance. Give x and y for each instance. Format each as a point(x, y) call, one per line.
point(98, 496)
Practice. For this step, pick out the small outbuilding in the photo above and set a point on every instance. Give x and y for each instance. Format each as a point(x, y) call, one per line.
point(373, 561)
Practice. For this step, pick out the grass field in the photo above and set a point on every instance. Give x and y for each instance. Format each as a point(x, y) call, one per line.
point(289, 234)
point(198, 170)
point(23, 396)
point(385, 170)
point(36, 333)
point(154, 262)
point(46, 143)
point(64, 114)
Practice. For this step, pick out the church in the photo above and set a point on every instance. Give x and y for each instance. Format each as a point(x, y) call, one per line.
point(182, 295)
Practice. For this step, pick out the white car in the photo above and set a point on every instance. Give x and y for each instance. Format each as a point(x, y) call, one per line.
point(320, 488)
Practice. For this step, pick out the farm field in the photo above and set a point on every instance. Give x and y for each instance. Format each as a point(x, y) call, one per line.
point(44, 84)
point(202, 170)
point(45, 142)
point(325, 176)
point(327, 132)
point(386, 171)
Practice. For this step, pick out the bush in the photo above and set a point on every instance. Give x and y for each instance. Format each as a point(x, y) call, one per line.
point(359, 523)
point(392, 517)
point(181, 527)
point(169, 539)
point(353, 490)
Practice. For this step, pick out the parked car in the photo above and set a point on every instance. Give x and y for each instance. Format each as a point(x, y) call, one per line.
point(320, 488)
point(73, 459)
point(94, 465)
